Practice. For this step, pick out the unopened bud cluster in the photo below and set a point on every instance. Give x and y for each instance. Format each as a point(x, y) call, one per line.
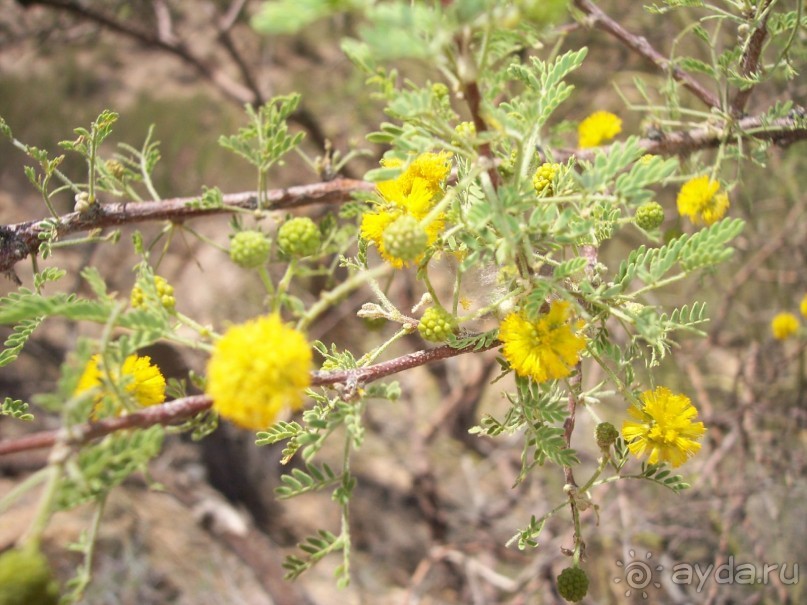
point(249, 249)
point(165, 292)
point(299, 237)
point(405, 239)
point(437, 324)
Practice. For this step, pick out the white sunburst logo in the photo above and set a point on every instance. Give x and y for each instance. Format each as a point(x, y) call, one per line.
point(638, 574)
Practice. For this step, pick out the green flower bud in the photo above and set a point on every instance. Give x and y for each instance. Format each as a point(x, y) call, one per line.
point(405, 239)
point(26, 578)
point(299, 237)
point(649, 216)
point(573, 584)
point(249, 249)
point(437, 324)
point(606, 434)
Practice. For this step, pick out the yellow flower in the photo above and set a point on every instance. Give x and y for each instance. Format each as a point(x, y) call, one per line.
point(700, 201)
point(257, 370)
point(140, 379)
point(803, 306)
point(784, 325)
point(413, 193)
point(597, 128)
point(664, 429)
point(544, 349)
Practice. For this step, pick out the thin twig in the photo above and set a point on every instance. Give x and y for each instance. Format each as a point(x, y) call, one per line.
point(639, 44)
point(781, 132)
point(20, 239)
point(187, 407)
point(749, 64)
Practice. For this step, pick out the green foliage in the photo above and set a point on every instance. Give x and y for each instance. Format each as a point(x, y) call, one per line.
point(661, 475)
point(99, 468)
point(15, 408)
point(300, 481)
point(16, 341)
point(266, 139)
point(314, 549)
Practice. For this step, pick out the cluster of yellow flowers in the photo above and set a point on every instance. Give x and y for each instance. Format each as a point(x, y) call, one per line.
point(785, 324)
point(699, 198)
point(414, 193)
point(549, 346)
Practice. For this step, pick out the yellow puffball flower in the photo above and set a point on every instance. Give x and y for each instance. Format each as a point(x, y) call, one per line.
point(803, 306)
point(701, 201)
point(596, 129)
point(664, 428)
point(546, 348)
point(784, 325)
point(257, 370)
point(431, 169)
point(413, 197)
point(140, 378)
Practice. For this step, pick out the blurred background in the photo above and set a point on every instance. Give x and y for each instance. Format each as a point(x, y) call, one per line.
point(434, 506)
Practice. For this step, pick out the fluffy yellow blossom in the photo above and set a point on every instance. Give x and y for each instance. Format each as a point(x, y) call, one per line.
point(414, 193)
point(803, 306)
point(543, 349)
point(428, 171)
point(257, 370)
point(664, 428)
point(596, 129)
point(784, 325)
point(139, 378)
point(701, 201)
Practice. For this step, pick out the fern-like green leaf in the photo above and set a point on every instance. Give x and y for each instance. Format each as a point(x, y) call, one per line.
point(16, 341)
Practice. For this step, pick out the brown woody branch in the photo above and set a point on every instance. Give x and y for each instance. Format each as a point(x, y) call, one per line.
point(188, 407)
point(781, 132)
point(597, 18)
point(19, 240)
point(749, 64)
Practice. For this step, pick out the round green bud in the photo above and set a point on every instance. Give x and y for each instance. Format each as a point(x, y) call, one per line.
point(26, 578)
point(405, 238)
point(573, 584)
point(606, 434)
point(649, 216)
point(299, 237)
point(437, 324)
point(249, 249)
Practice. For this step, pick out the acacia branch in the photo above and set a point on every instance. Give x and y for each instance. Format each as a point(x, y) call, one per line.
point(749, 64)
point(19, 240)
point(182, 409)
point(781, 132)
point(639, 44)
